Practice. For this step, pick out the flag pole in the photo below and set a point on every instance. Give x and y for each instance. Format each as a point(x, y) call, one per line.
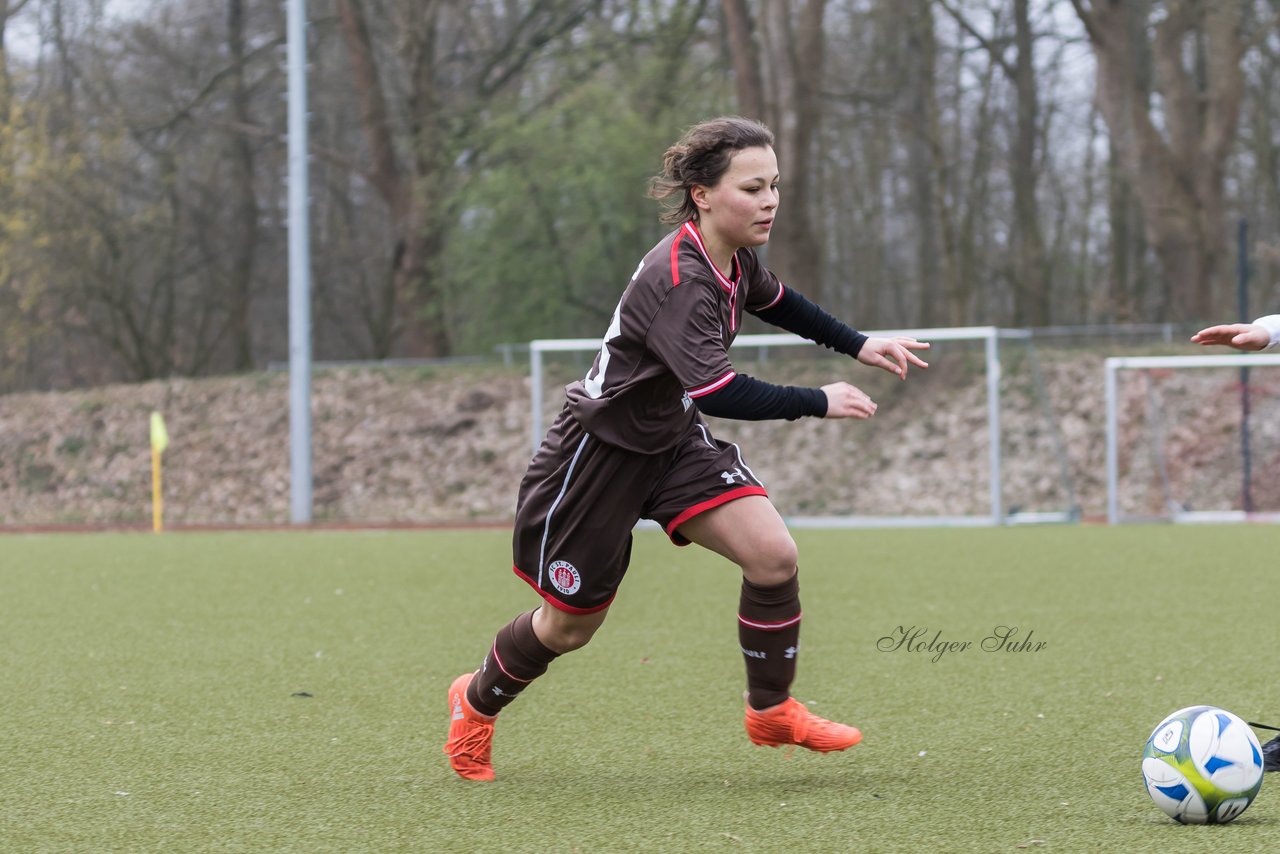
point(159, 441)
point(157, 495)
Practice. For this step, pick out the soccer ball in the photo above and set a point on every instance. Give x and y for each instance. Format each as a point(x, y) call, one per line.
point(1202, 765)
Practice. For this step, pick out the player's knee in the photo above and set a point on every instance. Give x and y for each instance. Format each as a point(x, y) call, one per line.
point(773, 561)
point(561, 632)
point(569, 638)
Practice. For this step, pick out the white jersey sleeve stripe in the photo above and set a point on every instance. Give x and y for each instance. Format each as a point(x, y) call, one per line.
point(781, 290)
point(714, 385)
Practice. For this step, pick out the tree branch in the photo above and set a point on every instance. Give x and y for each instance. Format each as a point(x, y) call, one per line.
point(995, 48)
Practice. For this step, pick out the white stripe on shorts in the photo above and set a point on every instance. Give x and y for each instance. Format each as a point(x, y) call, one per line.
point(546, 526)
point(706, 437)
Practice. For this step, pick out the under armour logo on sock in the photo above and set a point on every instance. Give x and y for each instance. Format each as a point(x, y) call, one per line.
point(790, 652)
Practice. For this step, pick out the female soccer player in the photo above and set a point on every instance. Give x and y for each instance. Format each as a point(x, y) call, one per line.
point(631, 444)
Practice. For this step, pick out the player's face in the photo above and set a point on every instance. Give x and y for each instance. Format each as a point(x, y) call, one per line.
point(738, 211)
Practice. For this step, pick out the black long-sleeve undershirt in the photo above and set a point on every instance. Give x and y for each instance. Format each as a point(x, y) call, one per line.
point(794, 313)
point(749, 399)
point(746, 398)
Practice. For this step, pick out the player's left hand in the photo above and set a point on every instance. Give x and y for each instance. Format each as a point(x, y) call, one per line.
point(892, 354)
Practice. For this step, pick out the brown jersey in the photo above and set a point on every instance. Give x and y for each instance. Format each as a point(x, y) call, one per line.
point(668, 343)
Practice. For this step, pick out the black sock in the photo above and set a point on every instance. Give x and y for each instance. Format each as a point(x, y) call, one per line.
point(769, 632)
point(516, 658)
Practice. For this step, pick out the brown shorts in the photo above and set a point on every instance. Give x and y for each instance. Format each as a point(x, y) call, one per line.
point(580, 499)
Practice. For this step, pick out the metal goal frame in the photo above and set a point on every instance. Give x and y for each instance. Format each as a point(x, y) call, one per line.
point(1113, 366)
point(990, 336)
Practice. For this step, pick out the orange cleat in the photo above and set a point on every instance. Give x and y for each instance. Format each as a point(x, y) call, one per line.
point(791, 723)
point(470, 734)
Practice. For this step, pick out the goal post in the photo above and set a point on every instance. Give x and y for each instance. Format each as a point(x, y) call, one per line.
point(988, 337)
point(1113, 367)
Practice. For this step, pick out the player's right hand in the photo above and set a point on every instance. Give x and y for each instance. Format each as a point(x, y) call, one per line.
point(847, 401)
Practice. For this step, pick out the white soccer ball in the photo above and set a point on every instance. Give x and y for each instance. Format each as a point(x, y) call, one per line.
point(1202, 765)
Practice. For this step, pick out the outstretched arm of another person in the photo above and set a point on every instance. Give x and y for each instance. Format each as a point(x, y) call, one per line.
point(1262, 334)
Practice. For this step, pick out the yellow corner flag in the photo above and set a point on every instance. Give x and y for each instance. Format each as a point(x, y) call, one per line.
point(159, 435)
point(159, 441)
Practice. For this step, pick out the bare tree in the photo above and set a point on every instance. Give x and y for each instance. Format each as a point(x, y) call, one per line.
point(408, 293)
point(8, 10)
point(17, 329)
point(923, 149)
point(1031, 279)
point(141, 252)
point(1175, 156)
point(244, 239)
point(739, 26)
point(452, 59)
point(787, 50)
point(1030, 271)
point(1257, 172)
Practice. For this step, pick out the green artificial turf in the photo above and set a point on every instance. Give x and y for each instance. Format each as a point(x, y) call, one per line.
point(153, 694)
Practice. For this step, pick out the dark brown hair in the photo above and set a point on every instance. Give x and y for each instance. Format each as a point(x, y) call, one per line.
point(699, 159)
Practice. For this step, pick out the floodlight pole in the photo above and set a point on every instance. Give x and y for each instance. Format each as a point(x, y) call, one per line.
point(299, 271)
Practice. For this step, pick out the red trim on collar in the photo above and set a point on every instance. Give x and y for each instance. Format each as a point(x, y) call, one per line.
point(691, 229)
point(675, 258)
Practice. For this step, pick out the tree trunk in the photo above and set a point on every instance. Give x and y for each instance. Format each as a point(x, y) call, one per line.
point(6, 80)
point(1030, 276)
point(244, 203)
point(1178, 173)
point(922, 144)
point(744, 55)
point(793, 55)
point(412, 316)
